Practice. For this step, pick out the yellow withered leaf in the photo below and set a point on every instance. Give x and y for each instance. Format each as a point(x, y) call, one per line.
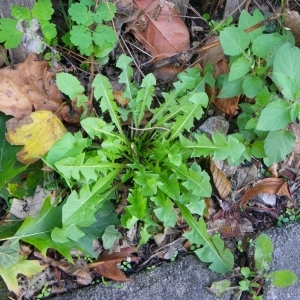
point(37, 132)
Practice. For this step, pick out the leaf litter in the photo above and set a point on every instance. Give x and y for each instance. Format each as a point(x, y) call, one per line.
point(29, 94)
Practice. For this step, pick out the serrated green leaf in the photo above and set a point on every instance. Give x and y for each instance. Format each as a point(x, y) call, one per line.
point(147, 181)
point(104, 36)
point(239, 68)
point(68, 146)
point(165, 209)
point(221, 261)
point(231, 88)
point(42, 10)
point(79, 209)
point(9, 253)
point(234, 40)
point(104, 216)
point(105, 12)
point(283, 278)
point(279, 144)
point(219, 288)
point(246, 21)
point(287, 62)
point(257, 149)
point(80, 14)
point(81, 37)
point(110, 236)
point(69, 85)
point(193, 179)
point(264, 43)
point(20, 13)
point(221, 147)
point(252, 85)
point(190, 111)
point(49, 32)
point(138, 204)
point(276, 115)
point(263, 252)
point(169, 185)
point(290, 87)
point(143, 99)
point(75, 167)
point(103, 94)
point(9, 35)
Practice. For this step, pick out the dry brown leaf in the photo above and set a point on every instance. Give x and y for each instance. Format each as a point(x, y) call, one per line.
point(220, 180)
point(213, 54)
point(28, 85)
point(292, 21)
point(227, 105)
point(268, 185)
point(165, 32)
point(106, 265)
point(12, 99)
point(37, 132)
point(161, 31)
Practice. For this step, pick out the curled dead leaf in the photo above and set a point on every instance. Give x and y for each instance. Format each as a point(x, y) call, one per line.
point(292, 22)
point(220, 180)
point(37, 132)
point(268, 185)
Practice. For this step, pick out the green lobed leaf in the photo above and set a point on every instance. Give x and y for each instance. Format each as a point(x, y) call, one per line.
point(69, 85)
point(105, 12)
point(110, 236)
point(212, 250)
point(81, 37)
point(234, 40)
point(9, 228)
point(103, 94)
point(263, 252)
point(104, 216)
point(165, 209)
point(219, 288)
point(80, 14)
point(147, 181)
point(49, 32)
point(279, 144)
point(20, 13)
point(283, 278)
point(42, 10)
point(104, 36)
point(9, 35)
point(76, 167)
point(276, 115)
point(169, 185)
point(220, 147)
point(143, 99)
point(138, 204)
point(78, 209)
point(190, 111)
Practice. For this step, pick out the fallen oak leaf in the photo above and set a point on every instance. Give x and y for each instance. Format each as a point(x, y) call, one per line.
point(269, 186)
point(106, 265)
point(37, 132)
